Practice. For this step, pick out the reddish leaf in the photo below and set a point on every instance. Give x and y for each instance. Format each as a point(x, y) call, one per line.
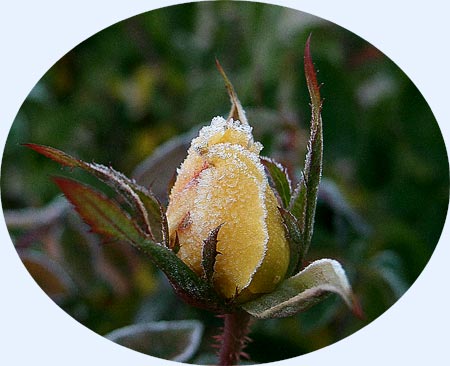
point(311, 78)
point(56, 155)
point(103, 215)
point(146, 207)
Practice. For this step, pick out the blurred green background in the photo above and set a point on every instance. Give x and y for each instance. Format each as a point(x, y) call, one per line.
point(134, 94)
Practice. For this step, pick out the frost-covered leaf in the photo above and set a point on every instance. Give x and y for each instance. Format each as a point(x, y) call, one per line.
point(302, 291)
point(298, 203)
point(146, 207)
point(170, 340)
point(186, 283)
point(56, 155)
point(304, 200)
point(280, 179)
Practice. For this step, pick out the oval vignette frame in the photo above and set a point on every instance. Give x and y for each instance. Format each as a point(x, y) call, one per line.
point(93, 157)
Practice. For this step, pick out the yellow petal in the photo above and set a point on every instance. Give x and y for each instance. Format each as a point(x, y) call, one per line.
point(223, 182)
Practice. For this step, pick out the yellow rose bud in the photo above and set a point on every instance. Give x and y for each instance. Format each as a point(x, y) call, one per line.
point(222, 182)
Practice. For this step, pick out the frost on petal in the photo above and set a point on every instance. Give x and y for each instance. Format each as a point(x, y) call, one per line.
point(222, 182)
point(223, 131)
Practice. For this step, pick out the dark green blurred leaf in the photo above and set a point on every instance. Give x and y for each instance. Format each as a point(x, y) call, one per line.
point(50, 275)
point(159, 168)
point(388, 266)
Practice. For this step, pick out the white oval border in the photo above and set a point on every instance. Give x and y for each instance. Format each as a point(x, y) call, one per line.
point(36, 331)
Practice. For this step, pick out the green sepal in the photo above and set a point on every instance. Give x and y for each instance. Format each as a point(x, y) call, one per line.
point(209, 254)
point(307, 288)
point(304, 200)
point(280, 179)
point(187, 284)
point(294, 237)
point(236, 112)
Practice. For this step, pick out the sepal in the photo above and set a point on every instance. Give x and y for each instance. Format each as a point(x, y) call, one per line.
point(304, 200)
point(300, 292)
point(280, 179)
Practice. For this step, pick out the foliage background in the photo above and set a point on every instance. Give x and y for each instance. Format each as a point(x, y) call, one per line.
point(125, 91)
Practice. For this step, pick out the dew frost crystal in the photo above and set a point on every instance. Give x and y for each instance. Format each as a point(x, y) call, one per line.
point(222, 182)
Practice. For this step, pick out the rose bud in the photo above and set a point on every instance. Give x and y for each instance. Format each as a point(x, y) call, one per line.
point(222, 185)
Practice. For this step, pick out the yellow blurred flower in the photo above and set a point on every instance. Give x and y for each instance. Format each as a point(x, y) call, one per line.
point(222, 182)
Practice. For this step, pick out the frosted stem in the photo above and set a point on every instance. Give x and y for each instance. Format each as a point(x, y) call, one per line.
point(234, 337)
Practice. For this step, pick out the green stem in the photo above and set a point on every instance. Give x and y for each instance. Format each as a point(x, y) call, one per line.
point(234, 337)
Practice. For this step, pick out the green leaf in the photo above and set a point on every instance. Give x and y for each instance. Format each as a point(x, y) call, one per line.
point(304, 200)
point(280, 179)
point(389, 267)
point(144, 204)
point(331, 195)
point(170, 340)
point(304, 290)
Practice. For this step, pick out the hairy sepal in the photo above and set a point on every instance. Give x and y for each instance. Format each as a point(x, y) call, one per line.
point(307, 288)
point(236, 112)
point(294, 236)
point(304, 200)
point(280, 180)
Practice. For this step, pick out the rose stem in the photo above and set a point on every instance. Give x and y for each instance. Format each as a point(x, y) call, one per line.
point(234, 337)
